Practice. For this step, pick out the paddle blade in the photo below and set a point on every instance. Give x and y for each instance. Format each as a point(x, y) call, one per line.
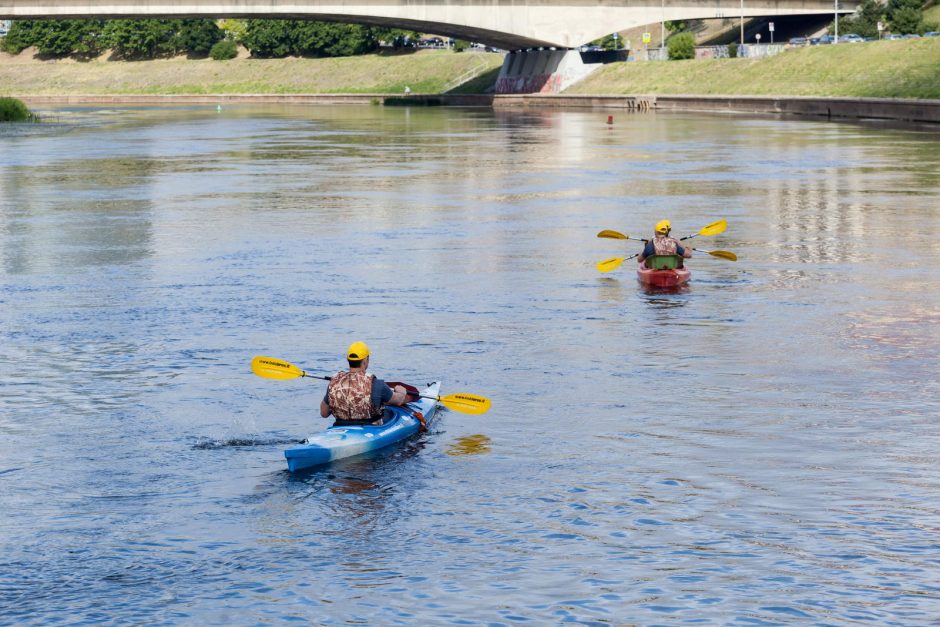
point(610, 264)
point(466, 403)
point(272, 368)
point(724, 254)
point(714, 228)
point(612, 234)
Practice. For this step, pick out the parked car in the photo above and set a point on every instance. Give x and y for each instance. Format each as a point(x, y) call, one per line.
point(893, 37)
point(825, 39)
point(932, 33)
point(798, 41)
point(851, 38)
point(911, 36)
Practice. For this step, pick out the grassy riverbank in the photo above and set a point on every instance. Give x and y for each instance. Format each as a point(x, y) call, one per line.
point(882, 69)
point(886, 69)
point(425, 71)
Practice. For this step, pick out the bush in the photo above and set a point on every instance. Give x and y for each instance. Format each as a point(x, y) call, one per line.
point(224, 50)
point(460, 45)
point(733, 50)
point(681, 46)
point(13, 110)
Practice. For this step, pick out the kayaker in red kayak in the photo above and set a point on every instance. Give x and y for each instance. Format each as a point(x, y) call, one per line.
point(355, 397)
point(662, 244)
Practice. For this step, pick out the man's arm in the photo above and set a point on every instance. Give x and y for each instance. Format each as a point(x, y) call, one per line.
point(648, 251)
point(384, 395)
point(325, 410)
point(399, 395)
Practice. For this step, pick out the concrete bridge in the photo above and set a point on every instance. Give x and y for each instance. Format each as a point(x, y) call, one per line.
point(506, 24)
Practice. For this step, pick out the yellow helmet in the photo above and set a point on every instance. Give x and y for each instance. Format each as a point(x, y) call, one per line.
point(357, 351)
point(663, 226)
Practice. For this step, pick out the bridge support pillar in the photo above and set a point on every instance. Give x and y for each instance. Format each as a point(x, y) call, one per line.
point(542, 71)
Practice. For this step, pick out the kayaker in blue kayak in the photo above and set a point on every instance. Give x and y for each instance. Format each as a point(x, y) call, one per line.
point(662, 244)
point(354, 397)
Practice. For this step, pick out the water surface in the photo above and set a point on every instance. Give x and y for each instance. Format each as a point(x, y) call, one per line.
point(759, 448)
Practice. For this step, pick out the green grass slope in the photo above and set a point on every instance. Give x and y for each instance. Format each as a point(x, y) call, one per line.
point(425, 71)
point(881, 69)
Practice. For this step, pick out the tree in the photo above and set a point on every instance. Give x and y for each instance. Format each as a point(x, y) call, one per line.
point(234, 29)
point(681, 46)
point(865, 22)
point(677, 26)
point(905, 16)
point(141, 39)
point(269, 38)
point(907, 20)
point(327, 39)
point(608, 42)
point(197, 36)
point(55, 37)
point(23, 34)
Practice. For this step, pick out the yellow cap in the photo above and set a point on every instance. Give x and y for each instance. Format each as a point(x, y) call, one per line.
point(663, 226)
point(357, 351)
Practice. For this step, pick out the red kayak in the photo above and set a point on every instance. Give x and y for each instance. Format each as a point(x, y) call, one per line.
point(662, 278)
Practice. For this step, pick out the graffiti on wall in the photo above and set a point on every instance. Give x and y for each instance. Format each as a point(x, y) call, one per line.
point(537, 84)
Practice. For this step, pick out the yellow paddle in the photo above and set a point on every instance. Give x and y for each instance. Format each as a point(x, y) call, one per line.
point(723, 254)
point(613, 263)
point(612, 234)
point(719, 226)
point(709, 229)
point(273, 368)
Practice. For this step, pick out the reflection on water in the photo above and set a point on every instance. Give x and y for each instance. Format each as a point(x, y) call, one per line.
point(756, 447)
point(470, 445)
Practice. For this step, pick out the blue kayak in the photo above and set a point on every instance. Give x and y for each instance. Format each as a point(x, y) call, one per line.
point(339, 442)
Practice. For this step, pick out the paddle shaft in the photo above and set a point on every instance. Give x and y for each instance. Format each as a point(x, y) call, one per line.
point(407, 393)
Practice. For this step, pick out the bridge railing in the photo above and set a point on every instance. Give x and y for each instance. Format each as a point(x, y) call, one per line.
point(749, 51)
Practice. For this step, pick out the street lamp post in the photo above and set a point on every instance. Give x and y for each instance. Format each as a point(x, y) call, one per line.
point(836, 2)
point(742, 22)
point(662, 26)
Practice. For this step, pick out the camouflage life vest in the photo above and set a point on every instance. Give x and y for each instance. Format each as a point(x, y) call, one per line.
point(665, 245)
point(349, 396)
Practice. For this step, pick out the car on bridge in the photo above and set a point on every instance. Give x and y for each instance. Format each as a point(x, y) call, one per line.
point(851, 38)
point(798, 41)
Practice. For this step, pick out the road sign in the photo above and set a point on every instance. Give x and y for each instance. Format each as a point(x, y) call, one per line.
point(758, 37)
point(771, 27)
point(647, 38)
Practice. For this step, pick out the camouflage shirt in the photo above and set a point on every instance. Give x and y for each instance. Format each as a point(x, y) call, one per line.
point(356, 396)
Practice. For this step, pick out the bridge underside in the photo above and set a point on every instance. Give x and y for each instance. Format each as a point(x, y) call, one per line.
point(506, 24)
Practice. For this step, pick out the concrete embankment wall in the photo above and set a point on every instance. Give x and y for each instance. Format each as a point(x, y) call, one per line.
point(922, 111)
point(843, 108)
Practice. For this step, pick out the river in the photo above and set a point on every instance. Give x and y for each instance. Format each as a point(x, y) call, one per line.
point(758, 448)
